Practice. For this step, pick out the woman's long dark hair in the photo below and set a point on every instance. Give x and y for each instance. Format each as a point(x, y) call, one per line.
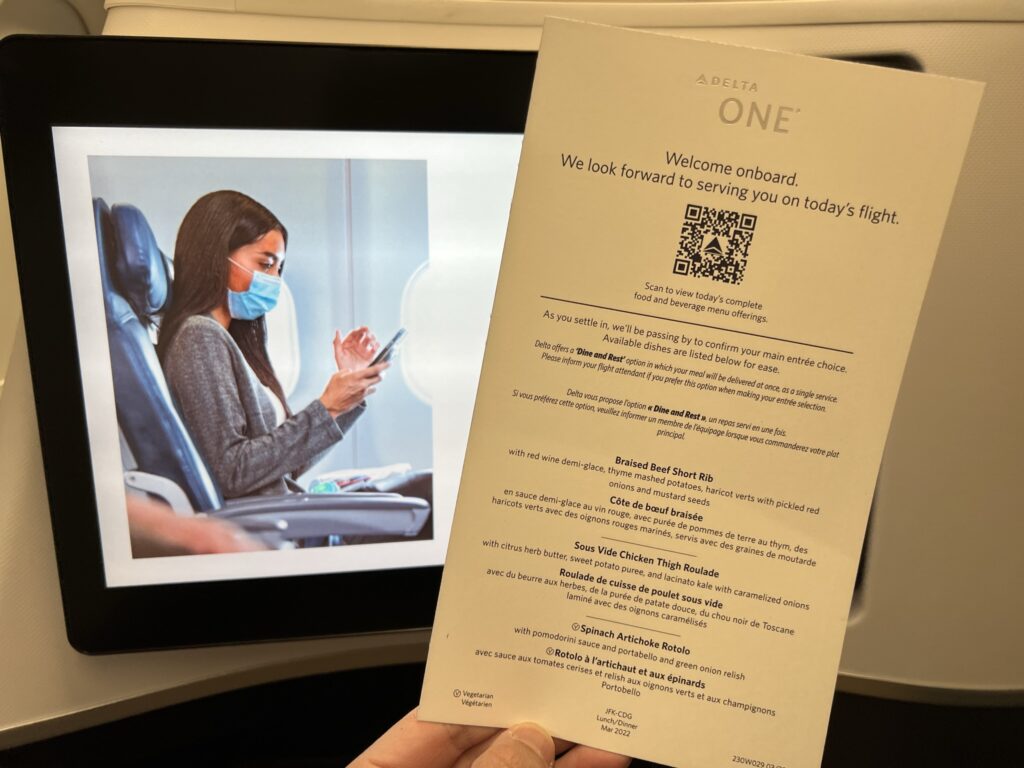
point(216, 225)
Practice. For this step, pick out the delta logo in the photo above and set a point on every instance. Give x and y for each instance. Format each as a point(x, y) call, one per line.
point(732, 83)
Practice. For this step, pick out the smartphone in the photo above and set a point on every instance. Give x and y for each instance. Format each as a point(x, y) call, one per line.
point(388, 350)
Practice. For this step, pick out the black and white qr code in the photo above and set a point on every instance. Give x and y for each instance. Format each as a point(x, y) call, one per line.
point(714, 243)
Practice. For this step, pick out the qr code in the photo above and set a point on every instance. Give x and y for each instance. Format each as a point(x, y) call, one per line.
point(713, 243)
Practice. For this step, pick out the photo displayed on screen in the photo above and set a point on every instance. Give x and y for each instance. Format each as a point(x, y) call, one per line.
point(265, 284)
point(280, 336)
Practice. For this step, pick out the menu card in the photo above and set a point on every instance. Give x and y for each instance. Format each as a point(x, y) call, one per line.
point(713, 269)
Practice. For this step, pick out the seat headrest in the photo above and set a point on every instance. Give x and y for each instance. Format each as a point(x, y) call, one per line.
point(138, 267)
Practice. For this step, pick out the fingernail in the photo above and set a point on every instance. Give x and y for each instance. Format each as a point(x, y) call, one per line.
point(535, 738)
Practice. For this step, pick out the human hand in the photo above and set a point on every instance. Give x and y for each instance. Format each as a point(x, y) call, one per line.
point(356, 350)
point(347, 389)
point(156, 531)
point(412, 743)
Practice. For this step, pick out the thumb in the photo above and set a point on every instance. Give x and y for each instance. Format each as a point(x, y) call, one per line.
point(524, 746)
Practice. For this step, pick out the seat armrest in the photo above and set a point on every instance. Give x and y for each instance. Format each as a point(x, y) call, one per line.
point(310, 515)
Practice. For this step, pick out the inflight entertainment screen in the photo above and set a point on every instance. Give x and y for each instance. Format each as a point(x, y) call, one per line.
point(231, 291)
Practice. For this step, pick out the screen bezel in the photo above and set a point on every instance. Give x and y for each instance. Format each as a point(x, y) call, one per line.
point(142, 82)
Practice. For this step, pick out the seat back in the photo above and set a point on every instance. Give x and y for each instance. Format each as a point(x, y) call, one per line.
point(136, 286)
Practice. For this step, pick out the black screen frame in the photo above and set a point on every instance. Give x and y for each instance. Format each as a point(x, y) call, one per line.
point(148, 82)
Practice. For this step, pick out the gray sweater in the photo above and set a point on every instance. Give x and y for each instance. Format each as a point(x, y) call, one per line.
point(231, 419)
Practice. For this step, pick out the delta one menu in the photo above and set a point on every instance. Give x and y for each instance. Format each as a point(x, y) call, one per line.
point(712, 272)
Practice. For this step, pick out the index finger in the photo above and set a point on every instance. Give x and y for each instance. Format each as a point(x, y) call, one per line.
point(411, 741)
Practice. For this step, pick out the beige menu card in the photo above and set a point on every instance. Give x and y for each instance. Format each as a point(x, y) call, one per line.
point(713, 268)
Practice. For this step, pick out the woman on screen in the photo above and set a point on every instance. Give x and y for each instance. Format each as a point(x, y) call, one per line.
point(228, 260)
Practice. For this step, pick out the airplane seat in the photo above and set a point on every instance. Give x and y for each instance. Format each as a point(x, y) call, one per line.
point(135, 282)
point(135, 289)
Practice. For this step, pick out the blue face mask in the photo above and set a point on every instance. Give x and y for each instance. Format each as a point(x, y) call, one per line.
point(260, 298)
